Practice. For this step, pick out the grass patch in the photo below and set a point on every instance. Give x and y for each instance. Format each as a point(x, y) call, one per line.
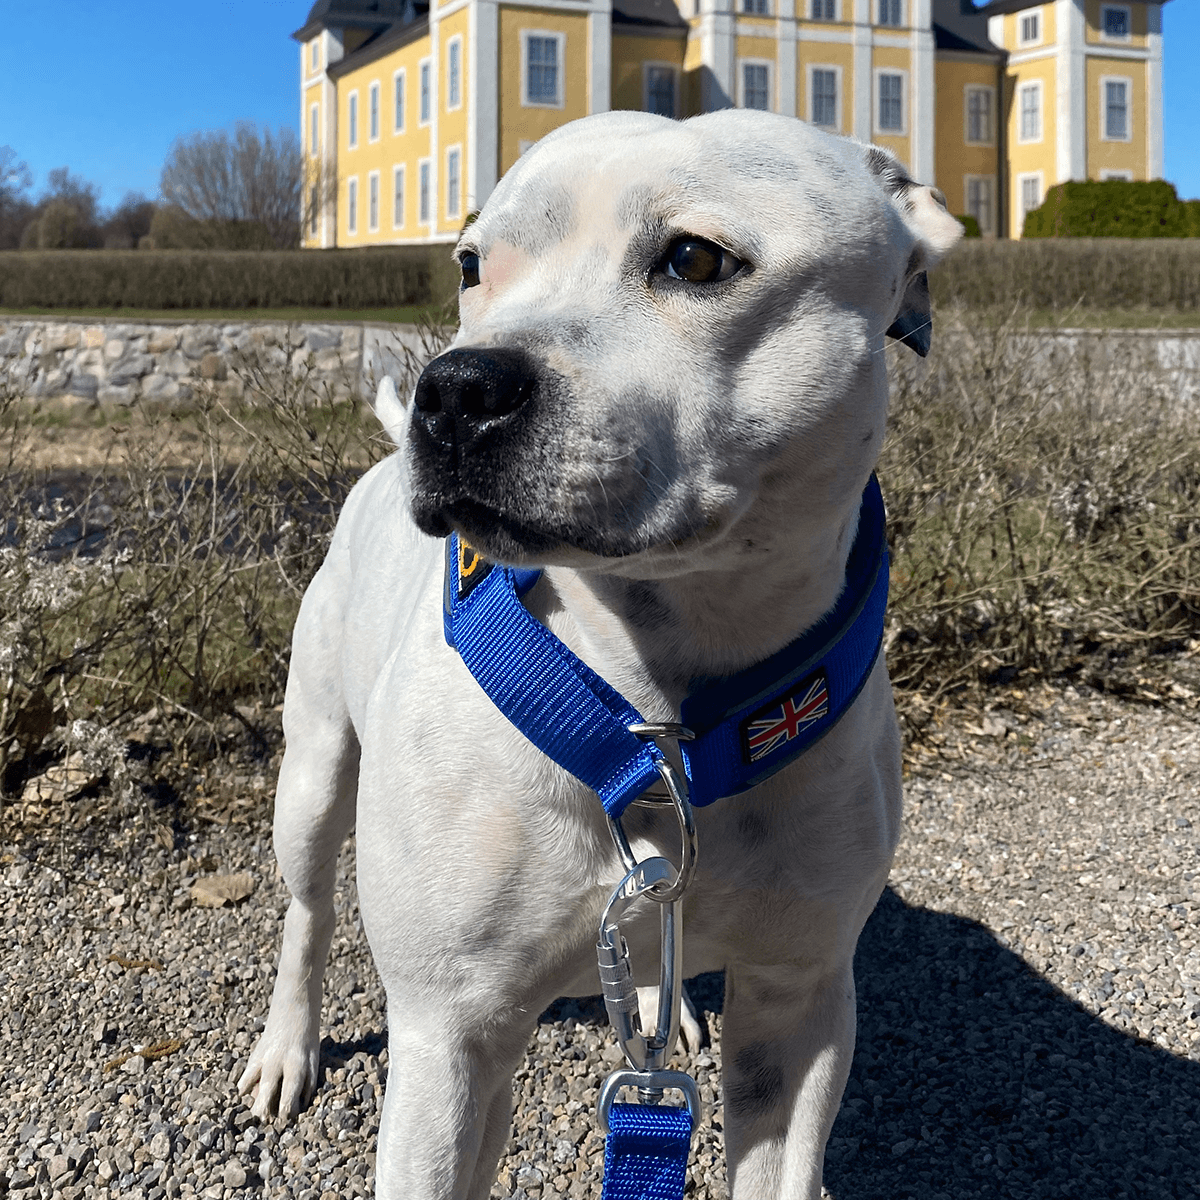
point(1108, 318)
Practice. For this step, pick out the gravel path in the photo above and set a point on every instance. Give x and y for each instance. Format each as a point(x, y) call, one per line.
point(1029, 997)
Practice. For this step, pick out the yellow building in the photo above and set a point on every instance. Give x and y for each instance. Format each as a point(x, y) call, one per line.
point(411, 110)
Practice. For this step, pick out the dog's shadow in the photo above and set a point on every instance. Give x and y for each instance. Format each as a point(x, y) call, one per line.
point(975, 1077)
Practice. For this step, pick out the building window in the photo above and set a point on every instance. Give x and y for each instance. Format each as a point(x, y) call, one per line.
point(824, 97)
point(373, 93)
point(756, 86)
point(373, 201)
point(1031, 193)
point(1116, 109)
point(756, 8)
point(314, 54)
point(398, 102)
point(979, 200)
point(352, 122)
point(454, 73)
point(453, 182)
point(398, 197)
point(891, 102)
point(1123, 176)
point(979, 115)
point(423, 192)
point(352, 206)
point(1115, 22)
point(823, 10)
point(660, 89)
point(426, 76)
point(312, 210)
point(313, 129)
point(889, 12)
point(543, 69)
point(1031, 113)
point(1029, 28)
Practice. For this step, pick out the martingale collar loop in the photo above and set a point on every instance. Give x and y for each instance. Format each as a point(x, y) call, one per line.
point(748, 725)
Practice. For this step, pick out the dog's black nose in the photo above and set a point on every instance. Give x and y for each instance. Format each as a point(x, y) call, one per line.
point(464, 392)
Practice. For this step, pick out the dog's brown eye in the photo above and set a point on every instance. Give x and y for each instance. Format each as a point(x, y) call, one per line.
point(698, 261)
point(470, 270)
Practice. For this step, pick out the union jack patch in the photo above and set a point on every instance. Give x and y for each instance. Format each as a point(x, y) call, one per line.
point(773, 726)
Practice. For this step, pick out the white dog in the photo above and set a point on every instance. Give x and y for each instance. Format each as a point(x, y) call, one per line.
point(669, 391)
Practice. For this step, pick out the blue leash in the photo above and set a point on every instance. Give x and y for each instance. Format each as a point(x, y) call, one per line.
point(747, 726)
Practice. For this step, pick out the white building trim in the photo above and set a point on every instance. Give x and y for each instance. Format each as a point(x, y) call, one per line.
point(718, 48)
point(1154, 93)
point(1070, 101)
point(921, 89)
point(785, 71)
point(864, 96)
point(1102, 101)
point(483, 102)
point(599, 32)
point(906, 114)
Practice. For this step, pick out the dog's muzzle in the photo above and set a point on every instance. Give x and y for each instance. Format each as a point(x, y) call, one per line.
point(464, 394)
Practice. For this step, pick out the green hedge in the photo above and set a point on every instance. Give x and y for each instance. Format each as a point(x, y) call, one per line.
point(383, 277)
point(1064, 272)
point(1113, 208)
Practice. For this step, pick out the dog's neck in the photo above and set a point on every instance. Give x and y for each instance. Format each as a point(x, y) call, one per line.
point(651, 638)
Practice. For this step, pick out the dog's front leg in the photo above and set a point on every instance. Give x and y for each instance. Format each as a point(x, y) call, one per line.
point(786, 1051)
point(448, 1107)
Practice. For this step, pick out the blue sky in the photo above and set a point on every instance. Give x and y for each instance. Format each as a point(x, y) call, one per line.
point(105, 86)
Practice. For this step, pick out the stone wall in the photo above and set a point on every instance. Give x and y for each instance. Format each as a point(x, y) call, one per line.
point(119, 362)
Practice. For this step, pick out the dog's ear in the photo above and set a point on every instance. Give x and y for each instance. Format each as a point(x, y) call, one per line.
point(391, 413)
point(923, 210)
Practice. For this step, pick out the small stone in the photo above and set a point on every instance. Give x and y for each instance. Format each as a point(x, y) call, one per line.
point(60, 1165)
point(160, 1145)
point(134, 1065)
point(234, 1175)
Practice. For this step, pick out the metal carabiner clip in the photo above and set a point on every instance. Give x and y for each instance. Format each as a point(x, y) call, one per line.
point(677, 797)
point(645, 1052)
point(649, 1083)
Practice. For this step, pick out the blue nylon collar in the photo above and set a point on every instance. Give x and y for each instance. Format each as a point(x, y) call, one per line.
point(748, 725)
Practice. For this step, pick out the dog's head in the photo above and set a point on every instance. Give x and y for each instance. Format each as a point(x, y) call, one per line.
point(671, 333)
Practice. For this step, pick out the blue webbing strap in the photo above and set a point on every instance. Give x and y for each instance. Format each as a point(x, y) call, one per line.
point(552, 696)
point(646, 1153)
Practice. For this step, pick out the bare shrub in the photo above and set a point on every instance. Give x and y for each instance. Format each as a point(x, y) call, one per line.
point(1044, 512)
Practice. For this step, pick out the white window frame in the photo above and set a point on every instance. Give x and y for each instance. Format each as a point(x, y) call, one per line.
point(398, 185)
point(314, 56)
point(1041, 191)
point(837, 11)
point(876, 75)
point(424, 92)
point(314, 129)
point(1128, 82)
point(900, 24)
point(372, 201)
point(811, 115)
point(352, 121)
point(742, 64)
point(454, 194)
point(399, 87)
point(1024, 15)
point(561, 39)
point(352, 206)
point(454, 79)
point(991, 95)
point(750, 8)
point(1031, 85)
point(425, 198)
point(653, 65)
point(525, 144)
point(1109, 173)
point(1119, 38)
point(374, 111)
point(990, 180)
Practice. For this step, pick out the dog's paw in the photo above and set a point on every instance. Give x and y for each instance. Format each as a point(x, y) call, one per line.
point(281, 1076)
point(691, 1032)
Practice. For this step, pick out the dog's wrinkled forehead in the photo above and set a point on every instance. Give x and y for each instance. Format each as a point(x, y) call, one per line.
point(756, 180)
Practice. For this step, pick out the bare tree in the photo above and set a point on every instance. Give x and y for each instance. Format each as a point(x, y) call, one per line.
point(66, 216)
point(241, 187)
point(129, 222)
point(15, 208)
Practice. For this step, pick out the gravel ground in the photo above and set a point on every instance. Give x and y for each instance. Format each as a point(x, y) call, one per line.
point(1029, 994)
